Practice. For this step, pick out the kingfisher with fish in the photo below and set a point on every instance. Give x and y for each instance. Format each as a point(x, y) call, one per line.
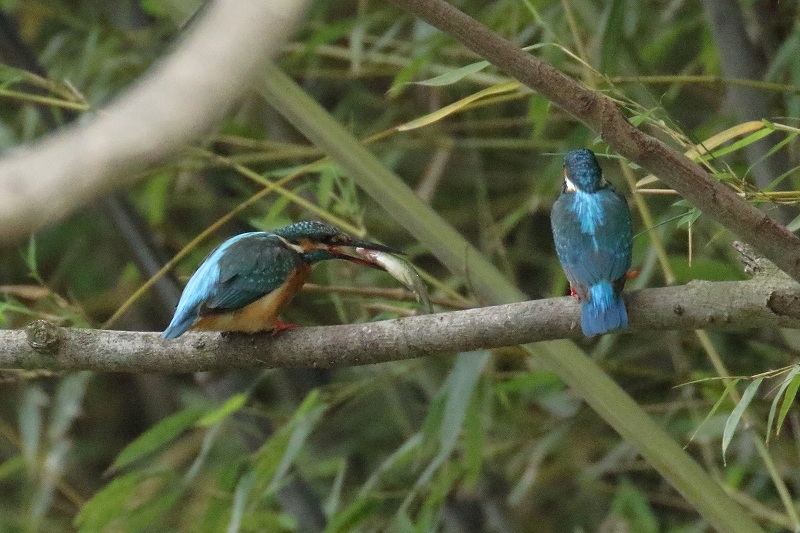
point(592, 232)
point(246, 282)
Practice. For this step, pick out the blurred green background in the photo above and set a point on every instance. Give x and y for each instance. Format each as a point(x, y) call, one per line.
point(492, 444)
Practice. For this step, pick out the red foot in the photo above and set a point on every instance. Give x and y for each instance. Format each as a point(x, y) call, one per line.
point(573, 293)
point(632, 274)
point(282, 326)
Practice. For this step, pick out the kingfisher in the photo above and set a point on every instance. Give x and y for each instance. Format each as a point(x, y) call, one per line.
point(245, 282)
point(593, 237)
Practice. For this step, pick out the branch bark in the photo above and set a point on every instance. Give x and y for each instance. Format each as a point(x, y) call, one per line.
point(182, 97)
point(766, 300)
point(601, 115)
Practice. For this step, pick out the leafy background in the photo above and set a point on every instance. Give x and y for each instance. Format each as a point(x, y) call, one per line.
point(469, 442)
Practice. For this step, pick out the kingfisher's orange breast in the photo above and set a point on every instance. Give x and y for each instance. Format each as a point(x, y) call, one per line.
point(262, 314)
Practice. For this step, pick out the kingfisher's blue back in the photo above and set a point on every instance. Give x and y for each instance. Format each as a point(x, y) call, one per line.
point(593, 237)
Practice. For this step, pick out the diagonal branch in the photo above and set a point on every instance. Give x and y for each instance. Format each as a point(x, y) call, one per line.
point(181, 98)
point(766, 300)
point(601, 115)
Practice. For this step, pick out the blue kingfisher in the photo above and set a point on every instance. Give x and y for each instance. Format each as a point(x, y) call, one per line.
point(245, 282)
point(592, 233)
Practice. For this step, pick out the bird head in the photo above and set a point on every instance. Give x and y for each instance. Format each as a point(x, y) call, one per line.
point(582, 172)
point(318, 241)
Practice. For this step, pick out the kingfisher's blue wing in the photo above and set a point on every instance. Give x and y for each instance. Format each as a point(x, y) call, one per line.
point(250, 269)
point(238, 272)
point(590, 253)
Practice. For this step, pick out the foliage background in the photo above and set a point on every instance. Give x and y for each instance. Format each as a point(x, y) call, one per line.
point(495, 445)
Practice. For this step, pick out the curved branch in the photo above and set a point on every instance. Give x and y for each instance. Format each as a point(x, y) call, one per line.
point(182, 97)
point(766, 300)
point(601, 115)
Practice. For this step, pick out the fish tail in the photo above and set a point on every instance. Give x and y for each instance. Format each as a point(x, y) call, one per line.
point(604, 311)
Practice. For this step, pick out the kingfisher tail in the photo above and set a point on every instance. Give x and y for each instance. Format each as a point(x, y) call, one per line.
point(179, 325)
point(604, 311)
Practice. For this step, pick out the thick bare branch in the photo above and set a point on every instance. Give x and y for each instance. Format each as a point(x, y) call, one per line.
point(182, 97)
point(766, 300)
point(601, 115)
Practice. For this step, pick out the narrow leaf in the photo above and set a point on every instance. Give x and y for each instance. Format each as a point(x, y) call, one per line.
point(774, 407)
point(458, 389)
point(430, 118)
point(155, 437)
point(788, 400)
point(454, 76)
point(736, 415)
point(243, 489)
point(713, 410)
point(741, 143)
point(231, 405)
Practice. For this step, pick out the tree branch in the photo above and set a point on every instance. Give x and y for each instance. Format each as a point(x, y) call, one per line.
point(601, 115)
point(769, 299)
point(182, 97)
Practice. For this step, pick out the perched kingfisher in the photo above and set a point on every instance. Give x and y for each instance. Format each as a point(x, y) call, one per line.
point(246, 281)
point(592, 232)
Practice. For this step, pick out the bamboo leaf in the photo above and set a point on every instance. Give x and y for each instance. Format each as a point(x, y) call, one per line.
point(455, 107)
point(454, 76)
point(738, 145)
point(781, 390)
point(457, 391)
point(243, 489)
point(231, 405)
point(788, 401)
point(155, 437)
point(736, 415)
point(731, 385)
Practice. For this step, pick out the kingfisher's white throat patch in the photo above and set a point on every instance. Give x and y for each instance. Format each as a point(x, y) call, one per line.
point(295, 247)
point(569, 185)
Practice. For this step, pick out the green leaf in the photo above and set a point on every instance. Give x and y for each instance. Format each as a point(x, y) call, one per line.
point(454, 76)
point(156, 193)
point(243, 489)
point(401, 523)
point(538, 113)
point(610, 31)
point(457, 391)
point(401, 456)
point(155, 437)
point(231, 405)
point(30, 423)
point(297, 440)
point(30, 259)
point(736, 415)
point(121, 503)
point(12, 466)
point(143, 516)
point(277, 454)
point(109, 503)
point(788, 400)
point(738, 145)
point(474, 437)
point(327, 177)
point(781, 390)
point(731, 385)
point(633, 505)
point(459, 105)
point(67, 404)
point(350, 517)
